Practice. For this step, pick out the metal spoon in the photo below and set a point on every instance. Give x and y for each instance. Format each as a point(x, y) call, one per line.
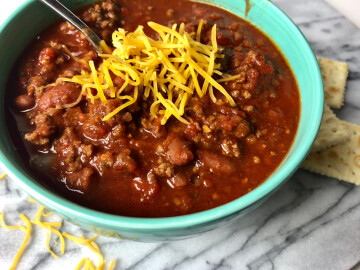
point(74, 20)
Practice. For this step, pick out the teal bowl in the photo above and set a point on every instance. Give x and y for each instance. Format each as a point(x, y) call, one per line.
point(32, 17)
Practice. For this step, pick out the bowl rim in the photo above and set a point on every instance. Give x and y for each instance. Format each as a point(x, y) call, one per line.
point(65, 207)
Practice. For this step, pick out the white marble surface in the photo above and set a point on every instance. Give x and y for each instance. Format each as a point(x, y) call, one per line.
point(312, 222)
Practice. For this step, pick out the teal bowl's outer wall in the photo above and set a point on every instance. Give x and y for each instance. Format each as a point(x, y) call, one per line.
point(31, 17)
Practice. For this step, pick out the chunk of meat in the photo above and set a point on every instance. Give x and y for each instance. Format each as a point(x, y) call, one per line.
point(47, 56)
point(107, 159)
point(73, 117)
point(103, 16)
point(164, 169)
point(192, 130)
point(179, 152)
point(154, 127)
point(68, 137)
point(44, 128)
point(70, 151)
point(232, 111)
point(125, 162)
point(223, 38)
point(35, 83)
point(252, 76)
point(215, 162)
point(190, 28)
point(58, 95)
point(118, 81)
point(230, 148)
point(80, 180)
point(197, 107)
point(236, 59)
point(230, 123)
point(257, 60)
point(242, 130)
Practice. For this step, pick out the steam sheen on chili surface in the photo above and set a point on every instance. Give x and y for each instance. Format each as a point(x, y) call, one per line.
point(131, 164)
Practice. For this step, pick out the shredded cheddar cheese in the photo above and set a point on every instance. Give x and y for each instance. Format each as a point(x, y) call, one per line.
point(49, 226)
point(26, 229)
point(91, 245)
point(84, 264)
point(169, 71)
point(24, 243)
point(87, 263)
point(2, 176)
point(7, 227)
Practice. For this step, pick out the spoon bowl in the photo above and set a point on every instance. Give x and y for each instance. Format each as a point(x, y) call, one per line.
point(75, 21)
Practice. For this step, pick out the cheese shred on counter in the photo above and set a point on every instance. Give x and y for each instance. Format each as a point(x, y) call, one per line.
point(85, 263)
point(26, 229)
point(2, 176)
point(169, 71)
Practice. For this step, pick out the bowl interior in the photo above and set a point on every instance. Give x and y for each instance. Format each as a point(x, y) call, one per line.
point(32, 17)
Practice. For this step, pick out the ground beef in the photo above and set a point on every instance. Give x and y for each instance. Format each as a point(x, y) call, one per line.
point(44, 128)
point(125, 161)
point(80, 180)
point(104, 16)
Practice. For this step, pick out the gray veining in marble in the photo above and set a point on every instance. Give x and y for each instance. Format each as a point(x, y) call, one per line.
point(312, 222)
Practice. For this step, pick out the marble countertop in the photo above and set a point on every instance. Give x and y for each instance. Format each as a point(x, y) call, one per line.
point(312, 222)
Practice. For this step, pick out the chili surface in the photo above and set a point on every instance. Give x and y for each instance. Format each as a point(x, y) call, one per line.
point(131, 164)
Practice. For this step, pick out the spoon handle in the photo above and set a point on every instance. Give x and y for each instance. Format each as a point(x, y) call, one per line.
point(74, 20)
